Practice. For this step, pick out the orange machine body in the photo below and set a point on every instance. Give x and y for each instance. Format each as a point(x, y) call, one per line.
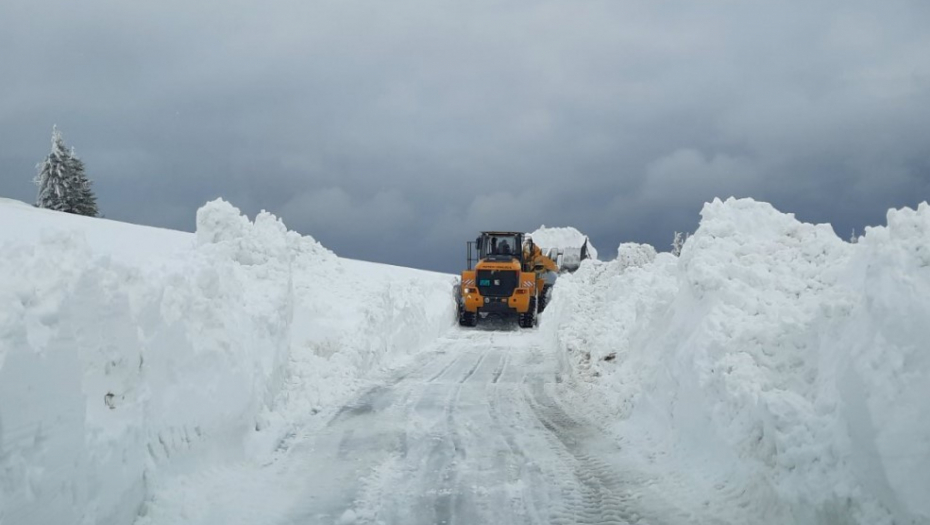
point(508, 279)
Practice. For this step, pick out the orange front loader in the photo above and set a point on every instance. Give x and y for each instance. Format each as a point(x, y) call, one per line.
point(510, 278)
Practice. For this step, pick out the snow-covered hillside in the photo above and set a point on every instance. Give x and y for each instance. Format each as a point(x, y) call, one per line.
point(131, 354)
point(774, 373)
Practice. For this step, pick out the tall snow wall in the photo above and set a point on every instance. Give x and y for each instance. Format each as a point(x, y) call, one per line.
point(109, 370)
point(773, 370)
point(131, 354)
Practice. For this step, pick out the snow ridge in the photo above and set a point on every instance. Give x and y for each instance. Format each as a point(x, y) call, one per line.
point(132, 356)
point(108, 370)
point(773, 365)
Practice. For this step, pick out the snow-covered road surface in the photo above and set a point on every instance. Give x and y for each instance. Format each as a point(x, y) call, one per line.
point(470, 434)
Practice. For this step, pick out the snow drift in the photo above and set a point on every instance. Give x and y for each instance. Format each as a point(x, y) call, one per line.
point(773, 374)
point(107, 369)
point(130, 354)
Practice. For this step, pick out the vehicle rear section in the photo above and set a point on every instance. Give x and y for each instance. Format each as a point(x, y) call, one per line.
point(502, 293)
point(507, 277)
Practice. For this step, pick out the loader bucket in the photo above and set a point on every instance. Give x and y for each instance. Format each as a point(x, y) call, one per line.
point(569, 258)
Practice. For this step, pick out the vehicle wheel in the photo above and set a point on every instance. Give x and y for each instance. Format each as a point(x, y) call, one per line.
point(468, 318)
point(457, 296)
point(544, 297)
point(528, 320)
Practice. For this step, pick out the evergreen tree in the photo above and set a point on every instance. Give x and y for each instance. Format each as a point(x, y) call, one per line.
point(53, 180)
point(679, 242)
point(84, 201)
point(63, 185)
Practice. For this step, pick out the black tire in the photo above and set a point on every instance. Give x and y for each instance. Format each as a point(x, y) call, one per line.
point(528, 320)
point(468, 318)
point(544, 297)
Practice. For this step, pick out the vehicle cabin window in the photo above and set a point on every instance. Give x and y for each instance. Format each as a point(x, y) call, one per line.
point(503, 245)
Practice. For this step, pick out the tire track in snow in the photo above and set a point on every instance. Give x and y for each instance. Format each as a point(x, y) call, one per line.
point(600, 496)
point(444, 369)
point(450, 502)
point(475, 368)
point(514, 458)
point(423, 484)
point(471, 436)
point(413, 372)
point(500, 370)
point(449, 498)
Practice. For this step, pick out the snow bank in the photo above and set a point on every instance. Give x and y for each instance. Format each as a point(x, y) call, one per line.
point(352, 320)
point(129, 355)
point(772, 374)
point(107, 370)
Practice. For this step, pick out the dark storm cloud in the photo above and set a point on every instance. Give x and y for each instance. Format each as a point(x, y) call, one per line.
point(394, 131)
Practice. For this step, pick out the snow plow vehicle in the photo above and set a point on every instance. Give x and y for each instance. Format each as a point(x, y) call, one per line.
point(508, 276)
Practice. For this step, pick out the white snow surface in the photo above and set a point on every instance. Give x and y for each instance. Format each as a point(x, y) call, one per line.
point(772, 374)
point(130, 354)
point(561, 237)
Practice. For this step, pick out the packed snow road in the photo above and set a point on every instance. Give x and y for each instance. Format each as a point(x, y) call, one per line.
point(471, 434)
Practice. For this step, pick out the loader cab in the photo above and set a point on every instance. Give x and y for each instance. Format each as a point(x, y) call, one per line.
point(500, 246)
point(496, 247)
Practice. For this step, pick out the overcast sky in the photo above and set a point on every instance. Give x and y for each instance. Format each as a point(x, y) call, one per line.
point(394, 131)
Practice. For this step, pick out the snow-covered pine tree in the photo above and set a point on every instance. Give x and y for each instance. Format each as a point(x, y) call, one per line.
point(63, 186)
point(678, 243)
point(53, 180)
point(84, 202)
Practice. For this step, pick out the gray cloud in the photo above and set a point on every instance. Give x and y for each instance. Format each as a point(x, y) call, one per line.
point(394, 131)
